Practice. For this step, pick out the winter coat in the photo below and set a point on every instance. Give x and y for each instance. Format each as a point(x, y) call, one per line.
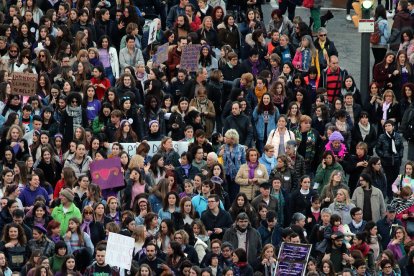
point(66, 125)
point(370, 139)
point(274, 237)
point(63, 217)
point(230, 37)
point(402, 22)
point(81, 169)
point(17, 256)
point(286, 53)
point(209, 119)
point(322, 175)
point(181, 176)
point(46, 246)
point(384, 31)
point(28, 196)
point(174, 58)
point(299, 202)
point(377, 202)
point(289, 178)
point(222, 220)
point(259, 122)
point(242, 177)
point(384, 150)
point(200, 247)
point(253, 240)
point(285, 27)
point(55, 262)
point(273, 138)
point(243, 125)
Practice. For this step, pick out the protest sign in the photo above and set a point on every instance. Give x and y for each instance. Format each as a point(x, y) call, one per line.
point(152, 34)
point(161, 55)
point(189, 57)
point(23, 84)
point(292, 259)
point(131, 148)
point(119, 250)
point(107, 173)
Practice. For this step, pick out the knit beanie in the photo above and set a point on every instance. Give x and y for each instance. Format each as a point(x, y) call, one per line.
point(336, 136)
point(68, 194)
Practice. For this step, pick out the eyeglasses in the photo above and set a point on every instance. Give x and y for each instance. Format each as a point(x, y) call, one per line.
point(88, 213)
point(13, 51)
point(322, 35)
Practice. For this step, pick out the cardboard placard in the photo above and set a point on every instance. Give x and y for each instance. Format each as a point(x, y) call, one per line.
point(107, 173)
point(119, 250)
point(161, 55)
point(23, 84)
point(131, 148)
point(189, 57)
point(292, 259)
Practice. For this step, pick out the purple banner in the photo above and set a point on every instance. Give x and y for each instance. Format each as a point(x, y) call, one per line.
point(189, 57)
point(107, 173)
point(292, 259)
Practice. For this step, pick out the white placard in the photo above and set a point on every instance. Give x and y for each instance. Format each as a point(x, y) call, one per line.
point(152, 34)
point(366, 26)
point(131, 148)
point(119, 251)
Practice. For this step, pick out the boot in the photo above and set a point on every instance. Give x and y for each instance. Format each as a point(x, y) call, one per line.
point(310, 22)
point(326, 17)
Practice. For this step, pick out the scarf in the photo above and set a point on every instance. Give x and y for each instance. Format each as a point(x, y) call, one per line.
point(341, 206)
point(385, 107)
point(401, 205)
point(85, 226)
point(341, 126)
point(186, 169)
point(76, 114)
point(364, 130)
point(356, 224)
point(255, 68)
point(252, 167)
point(271, 160)
point(39, 221)
point(392, 137)
point(259, 92)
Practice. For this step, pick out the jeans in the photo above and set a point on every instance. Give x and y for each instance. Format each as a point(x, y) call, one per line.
point(316, 16)
point(109, 74)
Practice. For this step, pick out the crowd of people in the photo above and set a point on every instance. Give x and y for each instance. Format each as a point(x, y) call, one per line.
point(281, 146)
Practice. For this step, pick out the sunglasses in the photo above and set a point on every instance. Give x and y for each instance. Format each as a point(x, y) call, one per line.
point(87, 213)
point(13, 51)
point(322, 35)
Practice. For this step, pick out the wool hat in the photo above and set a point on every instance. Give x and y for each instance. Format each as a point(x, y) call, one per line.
point(68, 194)
point(336, 136)
point(40, 228)
point(153, 122)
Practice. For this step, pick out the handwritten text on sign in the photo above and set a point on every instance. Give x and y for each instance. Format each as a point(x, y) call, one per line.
point(23, 84)
point(119, 251)
point(131, 148)
point(190, 57)
point(293, 259)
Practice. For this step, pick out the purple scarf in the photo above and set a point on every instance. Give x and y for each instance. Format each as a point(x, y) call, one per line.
point(255, 68)
point(85, 226)
point(186, 169)
point(252, 167)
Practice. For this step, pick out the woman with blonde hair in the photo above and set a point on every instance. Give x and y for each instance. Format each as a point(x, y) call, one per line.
point(139, 235)
point(14, 138)
point(306, 56)
point(267, 260)
point(342, 206)
point(390, 107)
point(233, 155)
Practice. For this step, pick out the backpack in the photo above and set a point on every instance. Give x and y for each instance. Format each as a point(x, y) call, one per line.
point(375, 37)
point(409, 131)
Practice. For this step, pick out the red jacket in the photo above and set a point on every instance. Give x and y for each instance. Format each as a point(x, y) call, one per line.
point(100, 92)
point(195, 25)
point(174, 58)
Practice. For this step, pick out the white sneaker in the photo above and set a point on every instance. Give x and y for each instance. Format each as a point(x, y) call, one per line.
point(348, 17)
point(390, 14)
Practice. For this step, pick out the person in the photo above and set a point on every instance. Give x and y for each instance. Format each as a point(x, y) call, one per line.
point(387, 225)
point(268, 159)
point(337, 252)
point(332, 78)
point(130, 55)
point(379, 50)
point(325, 47)
point(151, 259)
point(406, 130)
point(265, 197)
point(402, 22)
point(251, 174)
point(241, 123)
point(369, 199)
point(32, 190)
point(405, 179)
point(390, 149)
point(325, 170)
point(253, 244)
point(66, 210)
point(280, 136)
point(300, 198)
point(404, 205)
point(215, 219)
point(396, 245)
point(14, 245)
point(342, 206)
point(100, 266)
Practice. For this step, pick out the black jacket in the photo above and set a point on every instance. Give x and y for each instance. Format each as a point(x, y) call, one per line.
point(243, 125)
point(181, 176)
point(222, 220)
point(384, 149)
point(370, 139)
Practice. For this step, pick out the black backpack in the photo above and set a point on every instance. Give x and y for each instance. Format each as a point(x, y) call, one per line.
point(409, 131)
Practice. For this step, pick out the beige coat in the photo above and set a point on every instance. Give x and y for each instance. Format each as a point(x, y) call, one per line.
point(377, 202)
point(242, 177)
point(209, 119)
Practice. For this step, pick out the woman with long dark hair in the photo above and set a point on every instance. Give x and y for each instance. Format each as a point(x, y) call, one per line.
point(379, 50)
point(228, 33)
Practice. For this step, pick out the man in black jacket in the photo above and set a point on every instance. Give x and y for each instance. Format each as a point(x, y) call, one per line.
point(241, 123)
point(215, 219)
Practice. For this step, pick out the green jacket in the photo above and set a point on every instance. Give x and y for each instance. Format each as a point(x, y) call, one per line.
point(322, 175)
point(63, 217)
